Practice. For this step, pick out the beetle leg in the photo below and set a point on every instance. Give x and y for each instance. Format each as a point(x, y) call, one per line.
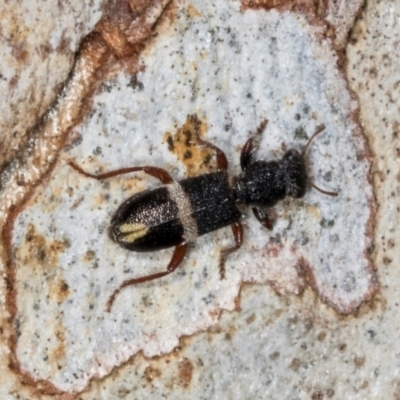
point(222, 161)
point(158, 173)
point(333, 194)
point(177, 257)
point(251, 146)
point(237, 230)
point(263, 217)
point(246, 154)
point(317, 132)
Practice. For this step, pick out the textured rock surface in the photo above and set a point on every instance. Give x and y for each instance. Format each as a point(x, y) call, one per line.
point(37, 47)
point(281, 346)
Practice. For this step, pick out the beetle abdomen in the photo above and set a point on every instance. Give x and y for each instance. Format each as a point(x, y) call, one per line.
point(148, 221)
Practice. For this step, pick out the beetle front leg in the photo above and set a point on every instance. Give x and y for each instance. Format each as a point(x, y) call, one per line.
point(251, 146)
point(237, 230)
point(263, 217)
point(156, 172)
point(177, 258)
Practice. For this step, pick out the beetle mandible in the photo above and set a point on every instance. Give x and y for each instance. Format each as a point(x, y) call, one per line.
point(176, 213)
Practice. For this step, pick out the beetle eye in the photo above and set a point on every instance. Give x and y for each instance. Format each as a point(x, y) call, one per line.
point(291, 156)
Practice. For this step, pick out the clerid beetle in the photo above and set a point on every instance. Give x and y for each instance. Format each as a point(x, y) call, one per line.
point(176, 213)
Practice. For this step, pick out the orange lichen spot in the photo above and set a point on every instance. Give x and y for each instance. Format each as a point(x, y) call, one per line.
point(20, 52)
point(89, 256)
point(192, 11)
point(58, 352)
point(213, 314)
point(151, 373)
point(59, 290)
point(196, 158)
point(185, 371)
point(38, 251)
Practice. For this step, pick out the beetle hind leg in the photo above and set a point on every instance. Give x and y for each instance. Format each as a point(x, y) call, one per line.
point(156, 172)
point(177, 258)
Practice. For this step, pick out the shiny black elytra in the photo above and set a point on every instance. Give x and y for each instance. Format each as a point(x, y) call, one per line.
point(176, 213)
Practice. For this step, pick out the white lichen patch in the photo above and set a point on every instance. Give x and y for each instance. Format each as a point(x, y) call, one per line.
point(233, 70)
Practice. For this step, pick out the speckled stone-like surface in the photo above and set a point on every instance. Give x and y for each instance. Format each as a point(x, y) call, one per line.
point(288, 346)
point(341, 15)
point(37, 46)
point(233, 78)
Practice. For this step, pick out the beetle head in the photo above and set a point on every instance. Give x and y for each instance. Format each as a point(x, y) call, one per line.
point(295, 173)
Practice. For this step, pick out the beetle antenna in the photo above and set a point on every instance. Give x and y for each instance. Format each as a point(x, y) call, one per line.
point(305, 148)
point(333, 194)
point(319, 130)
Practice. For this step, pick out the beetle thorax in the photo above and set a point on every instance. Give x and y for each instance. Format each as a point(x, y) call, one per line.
point(264, 183)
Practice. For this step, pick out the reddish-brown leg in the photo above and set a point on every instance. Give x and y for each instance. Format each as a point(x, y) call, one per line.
point(333, 194)
point(177, 257)
point(246, 154)
point(251, 146)
point(222, 161)
point(237, 230)
point(158, 173)
point(263, 217)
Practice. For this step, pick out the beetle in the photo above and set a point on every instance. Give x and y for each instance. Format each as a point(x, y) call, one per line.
point(176, 213)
